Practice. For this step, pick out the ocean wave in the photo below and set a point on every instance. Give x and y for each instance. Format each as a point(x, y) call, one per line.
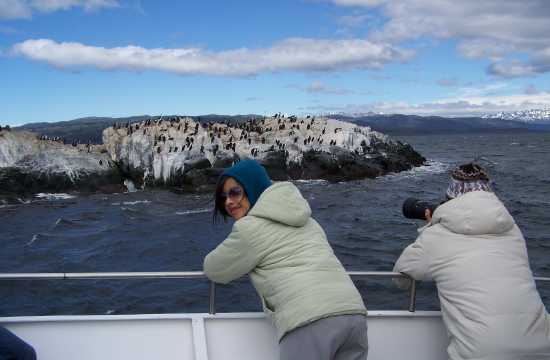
point(136, 202)
point(38, 236)
point(196, 211)
point(34, 238)
point(127, 203)
point(311, 181)
point(131, 210)
point(431, 167)
point(62, 222)
point(60, 196)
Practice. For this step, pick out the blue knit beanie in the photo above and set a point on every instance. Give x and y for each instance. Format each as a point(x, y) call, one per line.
point(251, 175)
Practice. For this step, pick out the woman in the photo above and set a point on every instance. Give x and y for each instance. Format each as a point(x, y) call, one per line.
point(316, 309)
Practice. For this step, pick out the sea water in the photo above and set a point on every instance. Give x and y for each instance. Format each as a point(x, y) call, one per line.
point(157, 230)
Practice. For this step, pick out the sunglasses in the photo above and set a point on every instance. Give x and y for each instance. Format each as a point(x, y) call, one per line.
point(235, 194)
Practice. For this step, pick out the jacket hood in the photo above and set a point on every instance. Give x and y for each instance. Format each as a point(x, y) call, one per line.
point(474, 213)
point(282, 202)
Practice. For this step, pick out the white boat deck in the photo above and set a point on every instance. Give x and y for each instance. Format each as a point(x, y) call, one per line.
point(245, 336)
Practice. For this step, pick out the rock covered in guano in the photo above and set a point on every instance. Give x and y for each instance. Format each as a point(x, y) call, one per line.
point(183, 152)
point(30, 164)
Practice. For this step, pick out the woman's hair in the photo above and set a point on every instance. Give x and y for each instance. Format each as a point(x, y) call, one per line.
point(219, 202)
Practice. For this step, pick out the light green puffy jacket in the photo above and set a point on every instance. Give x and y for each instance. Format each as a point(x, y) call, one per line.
point(289, 260)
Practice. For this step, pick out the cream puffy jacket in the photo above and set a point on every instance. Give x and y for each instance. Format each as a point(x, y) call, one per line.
point(477, 256)
point(289, 260)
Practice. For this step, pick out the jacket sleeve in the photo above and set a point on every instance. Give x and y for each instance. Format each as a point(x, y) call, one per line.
point(415, 262)
point(235, 256)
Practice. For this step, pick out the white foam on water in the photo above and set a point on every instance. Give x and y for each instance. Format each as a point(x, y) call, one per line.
point(197, 211)
point(311, 181)
point(131, 202)
point(130, 185)
point(136, 202)
point(59, 196)
point(34, 238)
point(432, 167)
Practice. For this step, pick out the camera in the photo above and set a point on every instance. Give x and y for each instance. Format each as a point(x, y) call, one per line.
point(415, 209)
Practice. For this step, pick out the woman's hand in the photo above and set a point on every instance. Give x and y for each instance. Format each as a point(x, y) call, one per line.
point(428, 215)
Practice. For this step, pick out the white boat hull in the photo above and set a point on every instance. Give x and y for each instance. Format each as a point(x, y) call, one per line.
point(393, 335)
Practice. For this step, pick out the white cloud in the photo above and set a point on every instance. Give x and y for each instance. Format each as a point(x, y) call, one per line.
point(492, 29)
point(359, 2)
point(14, 9)
point(484, 48)
point(288, 55)
point(55, 5)
point(452, 107)
point(479, 90)
point(353, 20)
point(511, 69)
point(473, 106)
point(23, 9)
point(317, 87)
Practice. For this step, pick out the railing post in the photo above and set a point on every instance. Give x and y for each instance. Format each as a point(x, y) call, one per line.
point(212, 308)
point(412, 299)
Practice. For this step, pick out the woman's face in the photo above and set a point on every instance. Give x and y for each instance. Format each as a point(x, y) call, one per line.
point(236, 203)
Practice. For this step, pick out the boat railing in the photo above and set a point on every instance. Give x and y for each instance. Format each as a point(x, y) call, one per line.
point(198, 275)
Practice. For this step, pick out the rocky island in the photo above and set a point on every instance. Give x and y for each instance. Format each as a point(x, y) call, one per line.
point(30, 164)
point(186, 154)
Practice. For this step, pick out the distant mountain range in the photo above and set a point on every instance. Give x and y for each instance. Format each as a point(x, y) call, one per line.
point(83, 129)
point(533, 116)
point(91, 128)
point(398, 124)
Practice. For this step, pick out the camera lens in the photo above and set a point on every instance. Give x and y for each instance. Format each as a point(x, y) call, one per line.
point(416, 209)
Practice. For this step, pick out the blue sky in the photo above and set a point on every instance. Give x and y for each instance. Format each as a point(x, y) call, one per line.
point(65, 59)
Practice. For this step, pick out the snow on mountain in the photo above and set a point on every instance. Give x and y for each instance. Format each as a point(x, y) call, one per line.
point(541, 116)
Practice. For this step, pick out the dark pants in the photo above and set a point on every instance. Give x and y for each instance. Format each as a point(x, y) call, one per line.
point(13, 348)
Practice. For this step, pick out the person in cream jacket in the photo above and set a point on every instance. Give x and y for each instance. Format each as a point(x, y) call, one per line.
point(477, 256)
